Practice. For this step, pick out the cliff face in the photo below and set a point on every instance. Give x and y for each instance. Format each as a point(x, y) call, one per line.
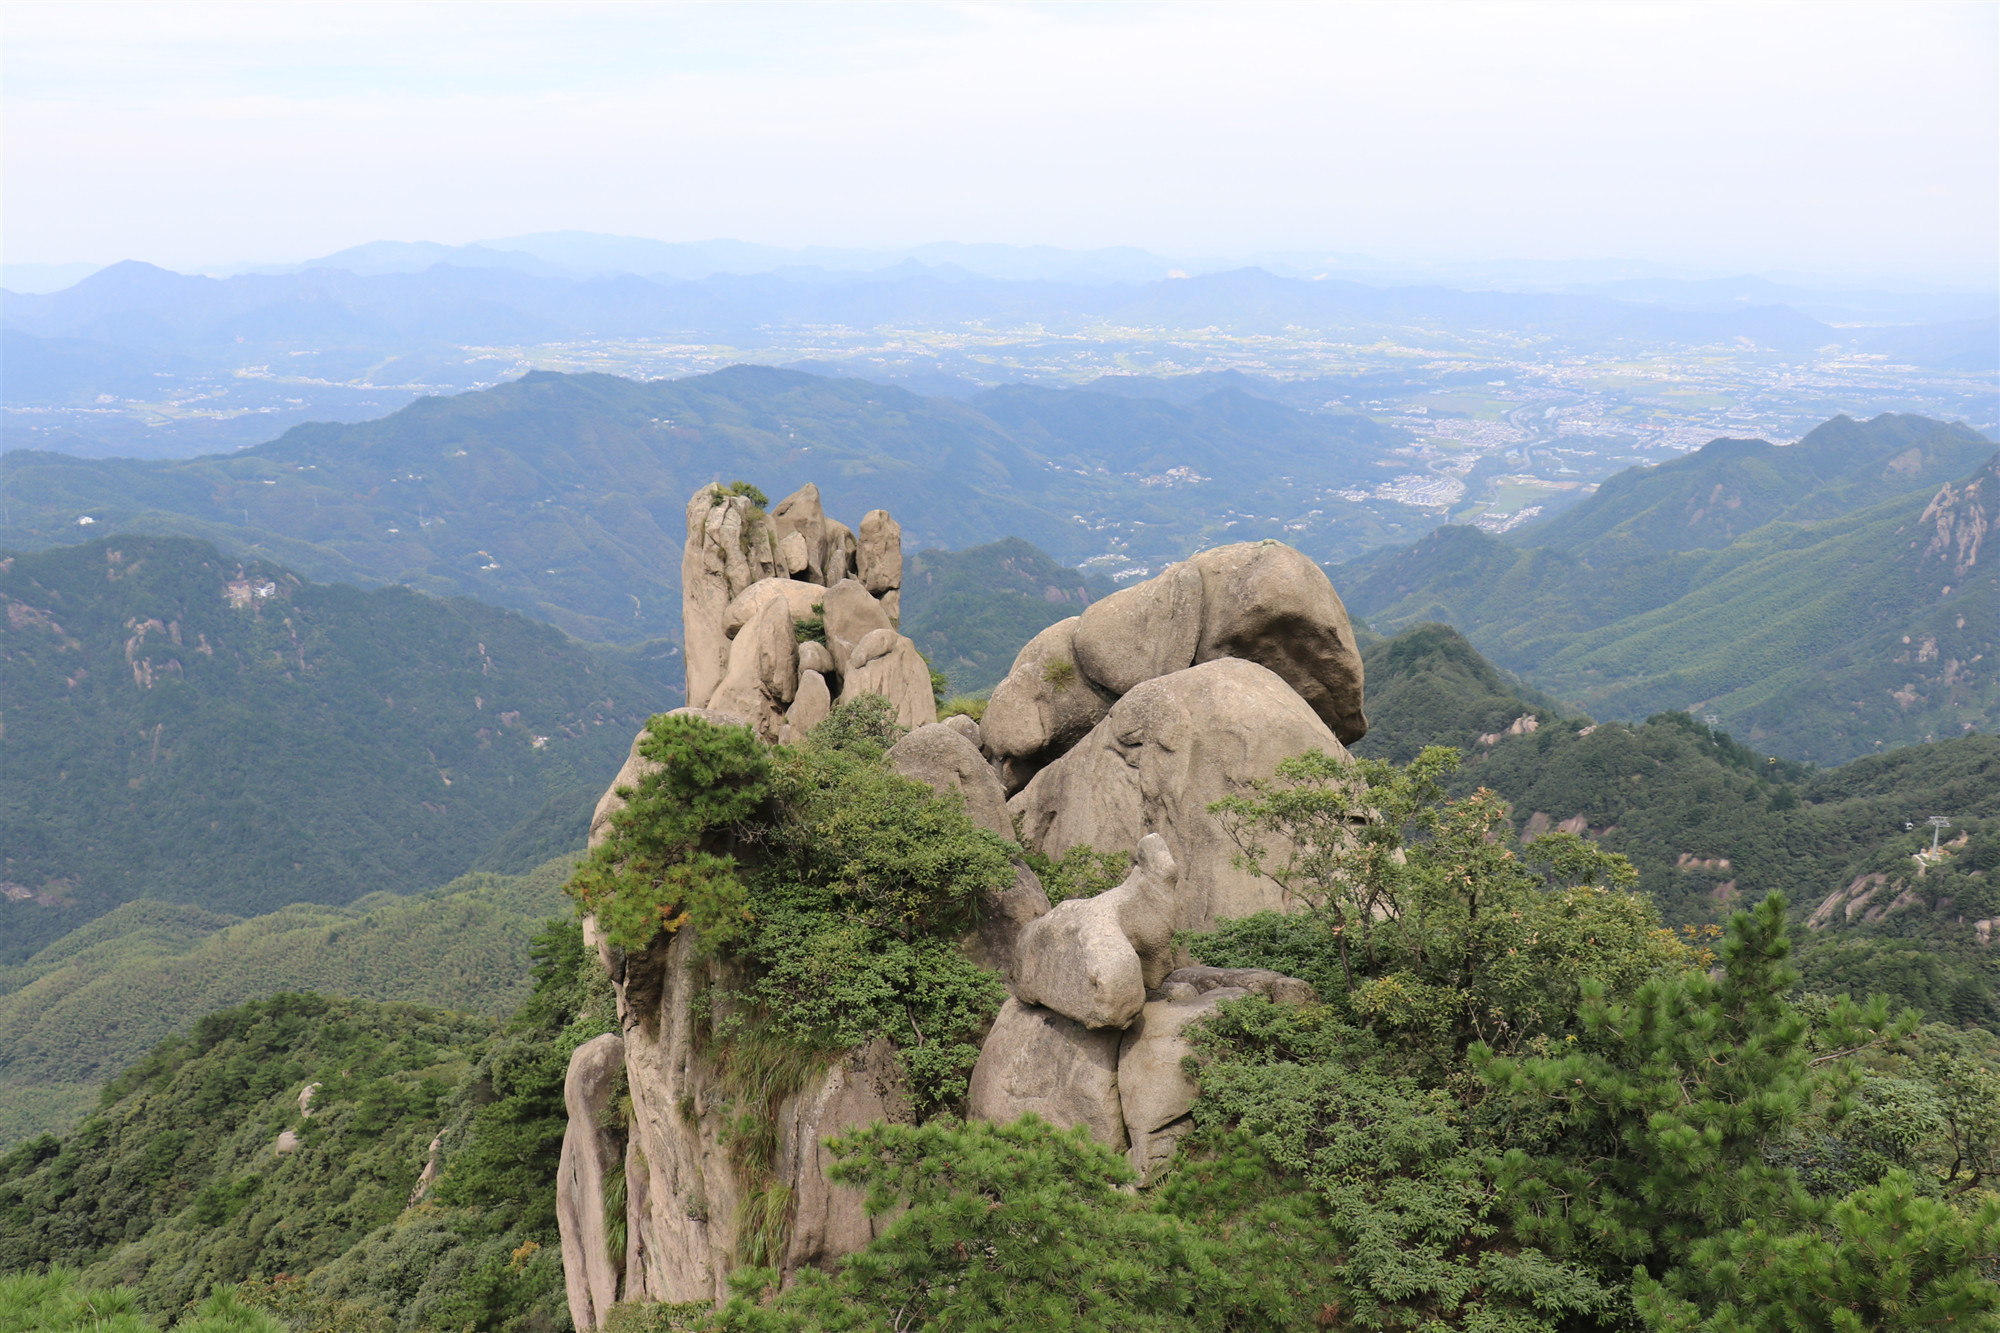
point(1115, 729)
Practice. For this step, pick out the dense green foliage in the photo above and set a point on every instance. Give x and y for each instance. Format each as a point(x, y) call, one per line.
point(1428, 686)
point(970, 611)
point(1709, 824)
point(194, 729)
point(837, 886)
point(1848, 621)
point(1654, 1115)
point(53, 1302)
point(178, 1183)
point(68, 1021)
point(1022, 1226)
point(564, 496)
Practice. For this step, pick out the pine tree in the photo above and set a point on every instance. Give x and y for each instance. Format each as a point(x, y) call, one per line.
point(1655, 1127)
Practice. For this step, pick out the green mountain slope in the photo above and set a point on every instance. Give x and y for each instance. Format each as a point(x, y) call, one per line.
point(183, 727)
point(1428, 686)
point(68, 1020)
point(564, 496)
point(1712, 824)
point(1709, 498)
point(972, 610)
point(1821, 639)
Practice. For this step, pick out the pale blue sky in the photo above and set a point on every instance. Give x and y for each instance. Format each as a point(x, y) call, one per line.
point(1843, 138)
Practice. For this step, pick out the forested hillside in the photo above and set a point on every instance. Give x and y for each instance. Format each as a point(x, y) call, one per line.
point(564, 496)
point(195, 729)
point(68, 1020)
point(359, 1167)
point(1817, 638)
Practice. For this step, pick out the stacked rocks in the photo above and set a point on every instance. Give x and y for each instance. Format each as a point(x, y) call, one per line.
point(748, 580)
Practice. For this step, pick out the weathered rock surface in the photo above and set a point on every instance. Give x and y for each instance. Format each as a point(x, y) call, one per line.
point(1092, 959)
point(814, 656)
point(800, 596)
point(727, 550)
point(809, 707)
point(1044, 706)
point(940, 757)
point(800, 515)
point(875, 643)
point(1143, 631)
point(680, 1123)
point(900, 675)
point(968, 728)
point(763, 675)
point(879, 558)
point(1156, 762)
point(828, 1220)
point(1273, 986)
point(588, 1154)
point(850, 614)
point(1037, 1060)
point(1273, 605)
point(1154, 1090)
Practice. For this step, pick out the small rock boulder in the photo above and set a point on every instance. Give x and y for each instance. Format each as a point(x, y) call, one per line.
point(879, 557)
point(850, 614)
point(901, 676)
point(1273, 986)
point(942, 759)
point(1037, 1060)
point(1092, 959)
point(809, 708)
point(800, 596)
point(815, 656)
point(799, 515)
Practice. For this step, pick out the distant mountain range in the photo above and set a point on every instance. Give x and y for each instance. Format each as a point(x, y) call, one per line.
point(353, 344)
point(1824, 599)
point(564, 496)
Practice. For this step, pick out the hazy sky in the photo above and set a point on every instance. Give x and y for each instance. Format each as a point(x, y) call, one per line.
point(1842, 137)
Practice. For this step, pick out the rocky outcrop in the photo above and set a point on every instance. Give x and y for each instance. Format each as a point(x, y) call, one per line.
point(1267, 603)
point(1160, 757)
point(1260, 602)
point(729, 547)
point(1155, 1093)
point(590, 1152)
point(940, 756)
point(1116, 730)
point(828, 1220)
point(750, 580)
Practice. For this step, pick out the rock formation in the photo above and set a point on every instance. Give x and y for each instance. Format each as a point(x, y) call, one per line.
point(1116, 730)
point(752, 587)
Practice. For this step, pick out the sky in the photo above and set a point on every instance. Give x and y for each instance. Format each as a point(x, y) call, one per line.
point(1853, 140)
